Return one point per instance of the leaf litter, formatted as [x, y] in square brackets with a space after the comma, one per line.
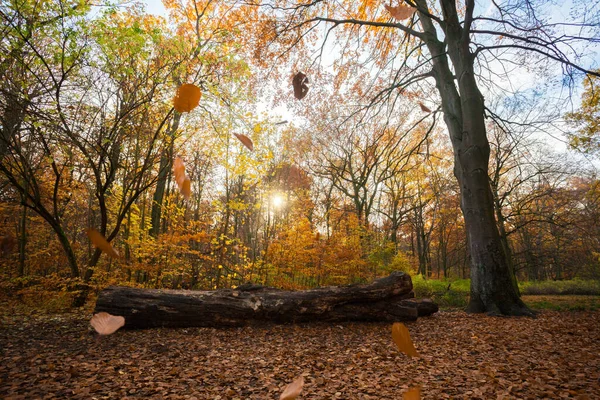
[461, 357]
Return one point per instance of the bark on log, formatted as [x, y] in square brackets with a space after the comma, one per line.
[387, 299]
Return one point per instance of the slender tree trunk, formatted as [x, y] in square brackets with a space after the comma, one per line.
[66, 245]
[23, 240]
[163, 173]
[504, 238]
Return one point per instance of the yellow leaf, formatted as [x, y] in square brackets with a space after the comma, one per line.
[100, 242]
[187, 97]
[413, 393]
[401, 337]
[293, 390]
[400, 12]
[105, 324]
[245, 141]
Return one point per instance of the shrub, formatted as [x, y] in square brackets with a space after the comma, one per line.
[447, 293]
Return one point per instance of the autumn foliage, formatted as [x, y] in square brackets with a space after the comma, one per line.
[191, 186]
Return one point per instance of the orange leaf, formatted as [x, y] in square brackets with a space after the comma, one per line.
[186, 188]
[187, 97]
[105, 324]
[401, 336]
[400, 12]
[245, 140]
[424, 108]
[100, 242]
[179, 171]
[293, 389]
[300, 84]
[413, 393]
[183, 181]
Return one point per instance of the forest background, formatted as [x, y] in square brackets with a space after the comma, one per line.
[333, 192]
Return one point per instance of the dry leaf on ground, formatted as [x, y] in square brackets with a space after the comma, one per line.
[552, 356]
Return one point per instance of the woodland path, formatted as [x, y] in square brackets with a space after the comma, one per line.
[462, 357]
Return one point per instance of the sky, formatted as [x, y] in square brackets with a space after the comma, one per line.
[155, 7]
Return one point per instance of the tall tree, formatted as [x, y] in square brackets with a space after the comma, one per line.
[451, 43]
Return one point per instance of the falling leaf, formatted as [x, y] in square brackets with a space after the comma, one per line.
[105, 324]
[293, 389]
[401, 336]
[187, 97]
[100, 242]
[424, 108]
[186, 188]
[400, 12]
[179, 171]
[300, 84]
[413, 393]
[318, 236]
[183, 181]
[245, 141]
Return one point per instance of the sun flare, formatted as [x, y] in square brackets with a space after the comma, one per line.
[277, 200]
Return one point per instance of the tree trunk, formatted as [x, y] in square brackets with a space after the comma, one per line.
[386, 299]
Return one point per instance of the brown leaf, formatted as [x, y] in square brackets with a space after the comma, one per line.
[293, 389]
[413, 393]
[105, 324]
[400, 12]
[187, 97]
[402, 339]
[72, 371]
[300, 84]
[424, 108]
[100, 242]
[245, 141]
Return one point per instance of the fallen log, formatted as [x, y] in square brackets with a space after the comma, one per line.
[388, 299]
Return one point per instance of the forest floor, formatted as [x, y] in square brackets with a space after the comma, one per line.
[462, 356]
